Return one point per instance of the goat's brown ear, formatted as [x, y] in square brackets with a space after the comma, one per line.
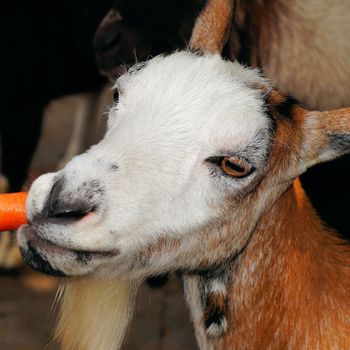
[325, 136]
[212, 26]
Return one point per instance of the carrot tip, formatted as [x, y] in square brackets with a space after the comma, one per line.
[12, 210]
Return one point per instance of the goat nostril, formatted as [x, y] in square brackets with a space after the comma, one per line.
[73, 210]
[59, 207]
[69, 214]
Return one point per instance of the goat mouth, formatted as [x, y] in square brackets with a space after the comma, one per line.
[32, 257]
[48, 247]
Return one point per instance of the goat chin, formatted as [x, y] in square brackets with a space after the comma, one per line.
[95, 314]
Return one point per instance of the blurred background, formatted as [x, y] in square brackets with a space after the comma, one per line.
[58, 59]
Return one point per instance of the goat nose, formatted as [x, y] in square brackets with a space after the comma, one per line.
[108, 41]
[61, 206]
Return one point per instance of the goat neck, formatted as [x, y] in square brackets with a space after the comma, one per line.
[287, 288]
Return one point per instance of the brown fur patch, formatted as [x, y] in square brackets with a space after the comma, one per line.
[290, 287]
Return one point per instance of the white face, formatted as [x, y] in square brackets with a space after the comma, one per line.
[150, 196]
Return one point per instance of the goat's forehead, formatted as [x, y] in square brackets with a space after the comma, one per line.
[193, 95]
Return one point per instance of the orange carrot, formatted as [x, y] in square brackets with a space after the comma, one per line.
[12, 210]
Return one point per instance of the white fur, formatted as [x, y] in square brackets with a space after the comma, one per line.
[215, 330]
[218, 287]
[165, 125]
[193, 300]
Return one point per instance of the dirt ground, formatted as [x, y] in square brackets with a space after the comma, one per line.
[27, 315]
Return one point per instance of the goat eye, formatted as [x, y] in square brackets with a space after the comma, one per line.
[116, 95]
[235, 167]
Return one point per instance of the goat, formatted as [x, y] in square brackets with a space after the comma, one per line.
[301, 45]
[198, 173]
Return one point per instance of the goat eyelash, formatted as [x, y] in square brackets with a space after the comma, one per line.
[216, 160]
